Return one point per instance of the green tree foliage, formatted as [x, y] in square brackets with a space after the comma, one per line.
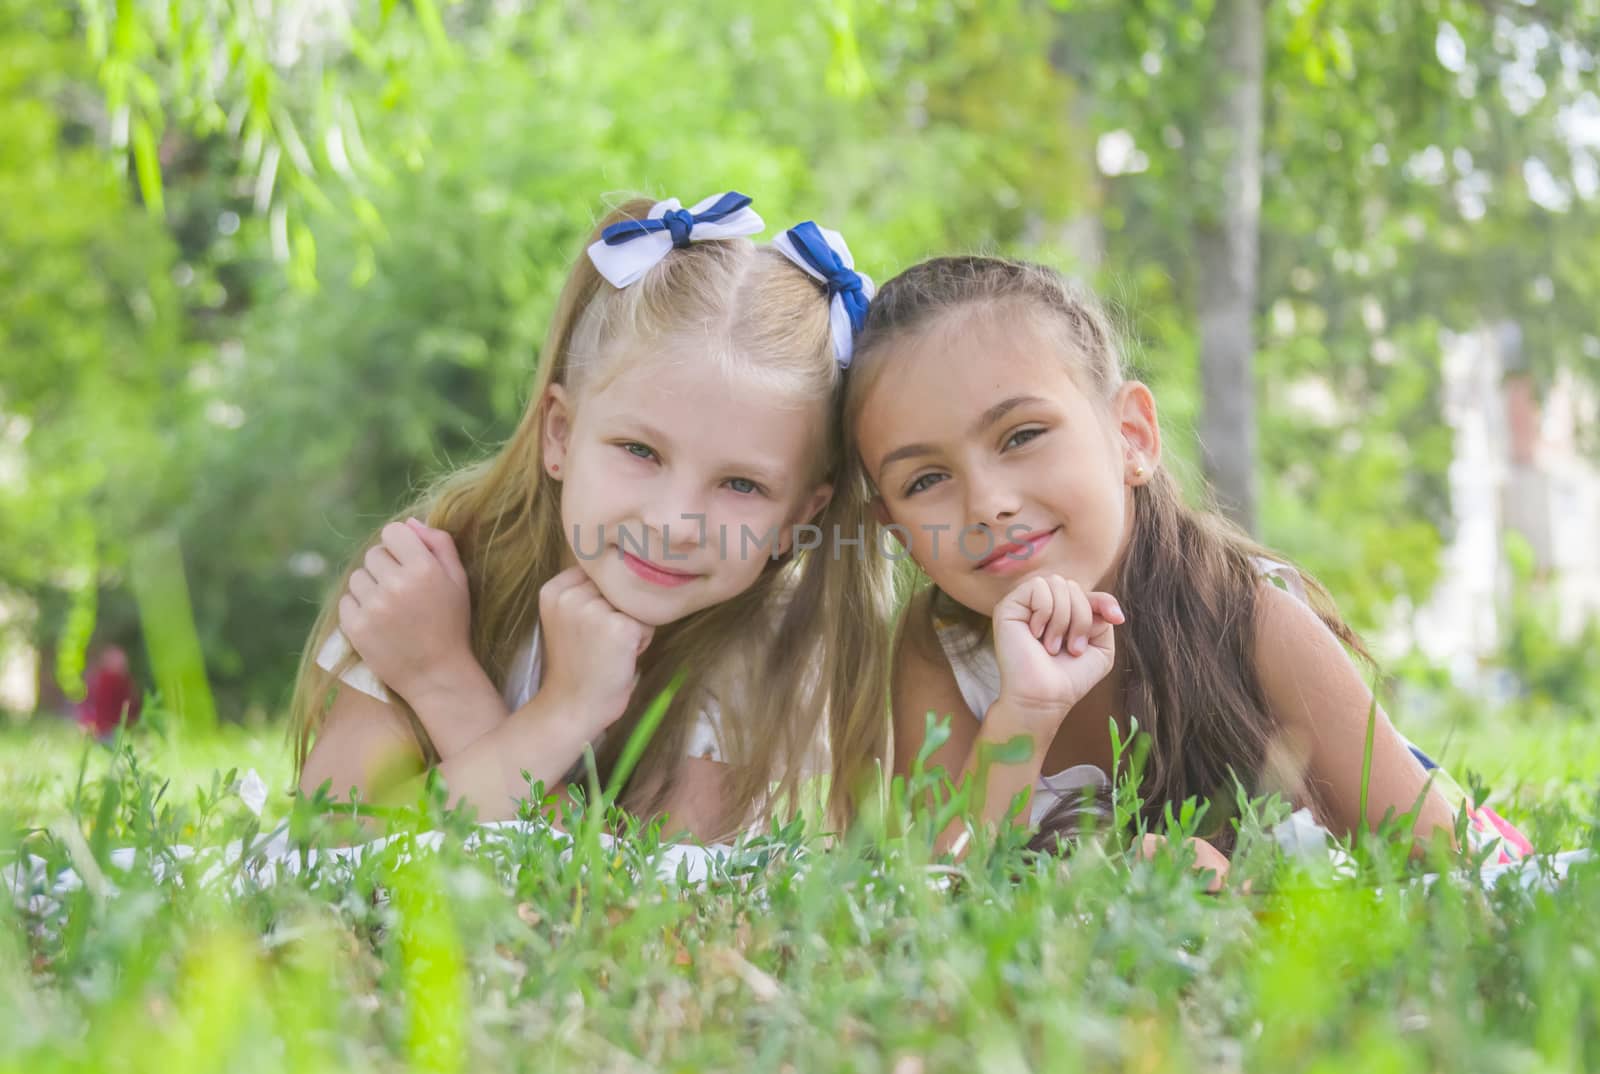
[414, 349]
[353, 232]
[94, 395]
[1401, 196]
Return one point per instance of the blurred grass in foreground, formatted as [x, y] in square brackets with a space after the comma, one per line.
[529, 954]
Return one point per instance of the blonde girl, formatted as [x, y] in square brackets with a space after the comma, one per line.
[654, 515]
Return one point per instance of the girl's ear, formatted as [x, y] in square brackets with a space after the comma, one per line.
[1134, 409]
[821, 496]
[810, 509]
[556, 430]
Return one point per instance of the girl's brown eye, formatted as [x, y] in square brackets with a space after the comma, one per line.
[1022, 436]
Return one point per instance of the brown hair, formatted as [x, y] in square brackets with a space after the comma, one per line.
[1187, 577]
[801, 653]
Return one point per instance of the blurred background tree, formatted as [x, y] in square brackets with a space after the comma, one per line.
[268, 267]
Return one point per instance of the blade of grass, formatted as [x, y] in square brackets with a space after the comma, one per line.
[643, 732]
[1366, 762]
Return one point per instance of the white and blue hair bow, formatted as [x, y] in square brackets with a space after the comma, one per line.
[823, 255]
[628, 249]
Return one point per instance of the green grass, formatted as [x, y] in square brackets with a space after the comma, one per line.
[39, 759]
[862, 956]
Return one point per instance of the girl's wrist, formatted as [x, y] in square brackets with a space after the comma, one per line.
[1008, 718]
[581, 707]
[442, 694]
[445, 675]
[998, 771]
[548, 734]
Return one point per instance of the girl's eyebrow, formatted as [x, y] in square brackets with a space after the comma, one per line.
[648, 431]
[986, 419]
[770, 476]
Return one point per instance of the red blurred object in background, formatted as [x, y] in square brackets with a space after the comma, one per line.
[112, 696]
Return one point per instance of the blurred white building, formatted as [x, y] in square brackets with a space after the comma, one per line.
[1520, 467]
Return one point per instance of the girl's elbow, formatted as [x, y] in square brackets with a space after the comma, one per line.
[362, 776]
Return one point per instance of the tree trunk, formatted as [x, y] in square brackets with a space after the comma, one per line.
[1081, 235]
[1226, 244]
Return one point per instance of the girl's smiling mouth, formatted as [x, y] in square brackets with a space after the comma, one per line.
[1016, 554]
[656, 574]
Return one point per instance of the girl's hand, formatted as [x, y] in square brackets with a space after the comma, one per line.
[1208, 860]
[590, 649]
[408, 611]
[1053, 642]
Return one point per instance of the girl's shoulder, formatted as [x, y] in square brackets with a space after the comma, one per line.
[1287, 624]
[963, 640]
[1281, 575]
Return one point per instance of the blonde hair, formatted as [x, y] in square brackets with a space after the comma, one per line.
[822, 665]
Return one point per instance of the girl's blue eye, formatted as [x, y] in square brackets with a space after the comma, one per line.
[923, 482]
[743, 485]
[1023, 435]
[638, 450]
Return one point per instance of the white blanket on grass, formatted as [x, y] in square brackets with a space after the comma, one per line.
[270, 856]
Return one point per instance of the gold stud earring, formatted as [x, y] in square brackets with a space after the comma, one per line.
[1138, 473]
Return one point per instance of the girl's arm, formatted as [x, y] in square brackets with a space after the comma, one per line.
[364, 745]
[544, 738]
[407, 613]
[457, 707]
[407, 617]
[698, 802]
[1321, 702]
[924, 682]
[591, 652]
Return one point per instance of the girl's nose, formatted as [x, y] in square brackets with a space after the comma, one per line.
[990, 502]
[677, 520]
[682, 535]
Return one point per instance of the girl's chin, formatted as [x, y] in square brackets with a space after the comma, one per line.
[637, 602]
[982, 603]
[983, 593]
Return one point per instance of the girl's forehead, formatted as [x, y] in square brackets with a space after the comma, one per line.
[699, 380]
[999, 335]
[707, 403]
[959, 364]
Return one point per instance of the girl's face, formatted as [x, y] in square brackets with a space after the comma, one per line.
[995, 465]
[677, 483]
